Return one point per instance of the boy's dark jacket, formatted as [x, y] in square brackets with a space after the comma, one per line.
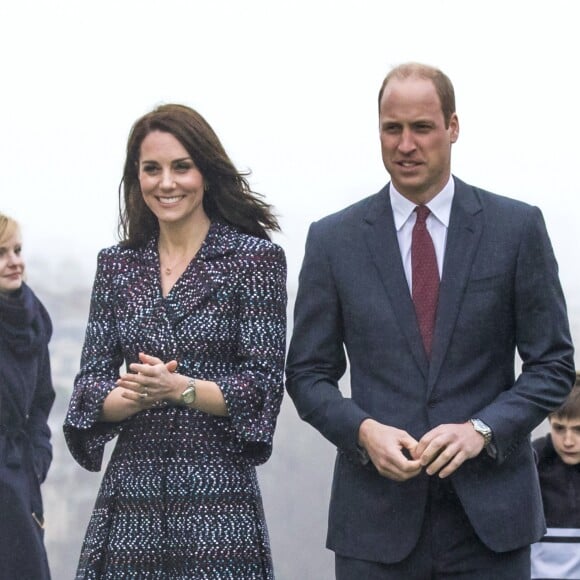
[560, 485]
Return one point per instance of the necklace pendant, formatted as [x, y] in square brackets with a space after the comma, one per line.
[167, 271]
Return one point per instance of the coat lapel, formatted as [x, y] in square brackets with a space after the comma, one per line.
[465, 228]
[207, 271]
[381, 238]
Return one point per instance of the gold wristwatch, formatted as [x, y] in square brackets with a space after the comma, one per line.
[189, 394]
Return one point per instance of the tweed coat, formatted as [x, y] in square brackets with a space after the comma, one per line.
[26, 398]
[180, 497]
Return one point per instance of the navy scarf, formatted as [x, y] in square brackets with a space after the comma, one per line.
[22, 324]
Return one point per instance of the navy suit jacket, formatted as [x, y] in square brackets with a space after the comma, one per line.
[499, 292]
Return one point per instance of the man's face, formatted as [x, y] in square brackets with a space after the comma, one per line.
[566, 439]
[416, 145]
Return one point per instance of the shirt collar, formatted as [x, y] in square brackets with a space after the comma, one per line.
[440, 205]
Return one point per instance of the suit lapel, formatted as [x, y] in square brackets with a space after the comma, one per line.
[465, 228]
[381, 238]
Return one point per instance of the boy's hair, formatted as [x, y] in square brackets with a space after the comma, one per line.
[571, 407]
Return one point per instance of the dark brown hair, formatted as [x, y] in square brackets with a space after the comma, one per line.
[571, 407]
[228, 197]
[440, 80]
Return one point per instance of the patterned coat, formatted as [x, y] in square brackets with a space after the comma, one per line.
[180, 497]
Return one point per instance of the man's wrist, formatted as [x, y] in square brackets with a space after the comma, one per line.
[483, 429]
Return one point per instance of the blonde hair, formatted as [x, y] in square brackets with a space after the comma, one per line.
[7, 226]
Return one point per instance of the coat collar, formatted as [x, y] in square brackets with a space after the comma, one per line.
[221, 240]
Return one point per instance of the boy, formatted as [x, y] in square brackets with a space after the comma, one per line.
[557, 555]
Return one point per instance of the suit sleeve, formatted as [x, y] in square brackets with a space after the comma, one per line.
[543, 341]
[316, 358]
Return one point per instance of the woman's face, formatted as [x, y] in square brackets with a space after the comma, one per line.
[171, 184]
[11, 262]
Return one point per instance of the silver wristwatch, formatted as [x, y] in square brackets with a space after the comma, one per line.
[483, 430]
[189, 394]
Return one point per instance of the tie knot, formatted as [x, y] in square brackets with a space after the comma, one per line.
[422, 212]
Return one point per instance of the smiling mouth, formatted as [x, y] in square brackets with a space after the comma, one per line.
[170, 200]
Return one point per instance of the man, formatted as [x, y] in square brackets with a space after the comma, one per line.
[429, 286]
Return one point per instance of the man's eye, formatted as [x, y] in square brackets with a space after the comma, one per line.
[391, 129]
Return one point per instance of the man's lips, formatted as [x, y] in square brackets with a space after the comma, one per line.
[406, 164]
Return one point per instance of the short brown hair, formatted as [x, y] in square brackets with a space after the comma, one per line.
[440, 80]
[571, 407]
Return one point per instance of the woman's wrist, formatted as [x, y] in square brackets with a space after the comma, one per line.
[180, 385]
[189, 394]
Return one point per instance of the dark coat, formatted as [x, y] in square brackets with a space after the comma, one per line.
[499, 291]
[180, 497]
[26, 397]
[560, 485]
[557, 554]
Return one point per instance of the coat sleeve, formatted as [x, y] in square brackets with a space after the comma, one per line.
[101, 360]
[543, 341]
[253, 393]
[316, 357]
[37, 425]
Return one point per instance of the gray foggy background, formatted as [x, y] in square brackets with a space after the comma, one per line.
[290, 88]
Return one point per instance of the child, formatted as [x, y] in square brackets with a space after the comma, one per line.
[557, 555]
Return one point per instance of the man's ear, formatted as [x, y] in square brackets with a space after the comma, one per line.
[454, 128]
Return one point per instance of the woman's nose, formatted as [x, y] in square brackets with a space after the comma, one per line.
[167, 180]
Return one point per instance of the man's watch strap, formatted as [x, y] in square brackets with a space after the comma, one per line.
[483, 429]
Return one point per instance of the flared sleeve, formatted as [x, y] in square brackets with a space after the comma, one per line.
[253, 393]
[101, 360]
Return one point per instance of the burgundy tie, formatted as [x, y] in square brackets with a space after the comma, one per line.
[425, 277]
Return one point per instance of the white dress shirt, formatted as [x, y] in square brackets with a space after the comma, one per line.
[437, 224]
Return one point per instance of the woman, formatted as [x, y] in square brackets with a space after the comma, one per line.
[26, 397]
[193, 300]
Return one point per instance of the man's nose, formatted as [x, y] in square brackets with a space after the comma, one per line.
[407, 141]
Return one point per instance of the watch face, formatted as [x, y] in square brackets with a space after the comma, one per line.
[188, 396]
[482, 428]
